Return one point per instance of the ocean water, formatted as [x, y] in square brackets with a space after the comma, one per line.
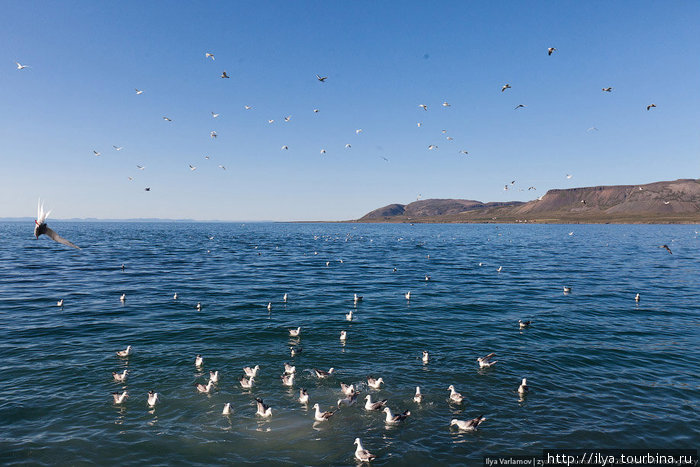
[603, 370]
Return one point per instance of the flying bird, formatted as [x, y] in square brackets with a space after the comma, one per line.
[20, 66]
[192, 167]
[445, 104]
[569, 175]
[592, 129]
[209, 55]
[167, 119]
[138, 91]
[665, 247]
[148, 188]
[462, 151]
[213, 134]
[117, 148]
[322, 78]
[214, 115]
[96, 153]
[550, 50]
[222, 167]
[285, 147]
[287, 118]
[42, 229]
[323, 151]
[224, 74]
[348, 146]
[650, 106]
[432, 146]
[315, 111]
[247, 107]
[358, 131]
[424, 107]
[519, 106]
[505, 86]
[607, 89]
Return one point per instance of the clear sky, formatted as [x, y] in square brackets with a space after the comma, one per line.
[382, 59]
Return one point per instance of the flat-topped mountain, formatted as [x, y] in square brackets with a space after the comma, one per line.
[659, 202]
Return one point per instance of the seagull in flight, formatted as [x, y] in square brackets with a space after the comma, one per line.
[348, 146]
[42, 229]
[569, 175]
[462, 151]
[322, 78]
[148, 188]
[446, 104]
[505, 86]
[209, 55]
[550, 50]
[213, 134]
[167, 119]
[592, 129]
[214, 115]
[222, 167]
[665, 247]
[247, 107]
[323, 151]
[424, 107]
[117, 148]
[607, 89]
[650, 106]
[358, 131]
[138, 91]
[224, 74]
[285, 147]
[140, 167]
[192, 167]
[96, 153]
[432, 146]
[519, 106]
[20, 66]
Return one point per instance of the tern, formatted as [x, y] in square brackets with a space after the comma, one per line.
[361, 454]
[445, 104]
[119, 398]
[192, 167]
[98, 154]
[124, 353]
[423, 106]
[468, 425]
[167, 119]
[519, 106]
[222, 167]
[40, 227]
[140, 167]
[432, 146]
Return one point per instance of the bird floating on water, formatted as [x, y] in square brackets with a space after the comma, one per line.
[121, 377]
[374, 383]
[347, 390]
[175, 296]
[418, 397]
[348, 317]
[636, 298]
[426, 356]
[288, 379]
[468, 425]
[407, 295]
[205, 389]
[246, 382]
[295, 332]
[500, 268]
[523, 388]
[59, 303]
[343, 335]
[362, 454]
[152, 398]
[357, 298]
[269, 306]
[567, 290]
[303, 396]
[122, 298]
[323, 374]
[289, 369]
[199, 306]
[198, 361]
[40, 227]
[119, 398]
[349, 400]
[322, 416]
[485, 362]
[524, 324]
[295, 351]
[227, 409]
[392, 419]
[263, 409]
[369, 405]
[284, 298]
[252, 372]
[214, 376]
[454, 395]
[124, 353]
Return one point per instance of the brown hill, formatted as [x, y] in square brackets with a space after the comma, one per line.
[659, 202]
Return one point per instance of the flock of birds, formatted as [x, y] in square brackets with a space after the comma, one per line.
[323, 79]
[348, 394]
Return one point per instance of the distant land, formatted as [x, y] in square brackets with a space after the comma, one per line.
[654, 203]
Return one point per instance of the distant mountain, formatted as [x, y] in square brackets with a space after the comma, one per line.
[660, 202]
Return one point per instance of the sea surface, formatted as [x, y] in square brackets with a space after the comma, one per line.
[604, 371]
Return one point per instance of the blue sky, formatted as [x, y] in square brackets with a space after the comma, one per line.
[382, 60]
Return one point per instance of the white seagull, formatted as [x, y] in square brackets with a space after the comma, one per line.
[361, 454]
[343, 335]
[523, 389]
[347, 390]
[288, 379]
[124, 353]
[374, 383]
[323, 374]
[285, 297]
[209, 55]
[407, 295]
[213, 134]
[468, 425]
[40, 227]
[426, 356]
[20, 66]
[505, 86]
[303, 396]
[369, 405]
[138, 91]
[263, 409]
[523, 324]
[121, 377]
[152, 398]
[214, 115]
[205, 389]
[198, 361]
[295, 332]
[120, 398]
[454, 395]
[322, 416]
[357, 298]
[122, 298]
[252, 372]
[423, 106]
[418, 397]
[348, 317]
[246, 382]
[485, 362]
[227, 409]
[392, 419]
[60, 302]
[214, 376]
[289, 369]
